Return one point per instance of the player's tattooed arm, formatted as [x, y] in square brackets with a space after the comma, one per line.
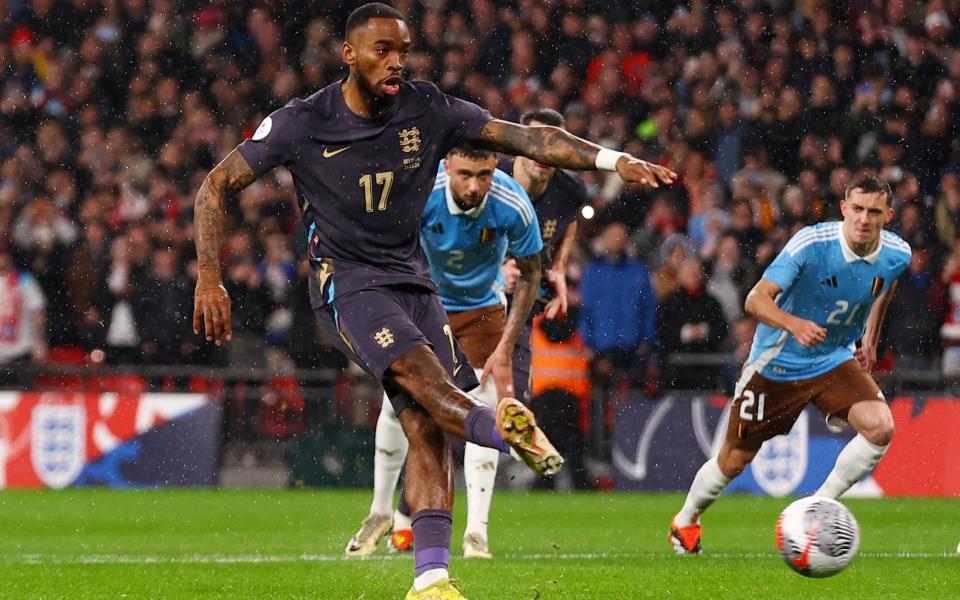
[500, 364]
[866, 354]
[227, 178]
[557, 147]
[761, 303]
[211, 304]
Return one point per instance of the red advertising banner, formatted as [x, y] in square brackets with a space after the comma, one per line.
[49, 439]
[924, 458]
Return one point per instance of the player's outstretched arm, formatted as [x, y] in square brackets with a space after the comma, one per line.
[866, 354]
[559, 148]
[761, 303]
[210, 300]
[500, 362]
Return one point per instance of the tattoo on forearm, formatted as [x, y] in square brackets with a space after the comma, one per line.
[549, 145]
[523, 297]
[230, 176]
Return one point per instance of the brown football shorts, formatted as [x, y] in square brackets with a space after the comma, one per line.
[764, 408]
[478, 331]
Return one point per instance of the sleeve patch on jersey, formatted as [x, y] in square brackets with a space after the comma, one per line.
[264, 129]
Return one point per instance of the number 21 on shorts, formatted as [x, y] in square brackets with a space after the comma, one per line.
[751, 405]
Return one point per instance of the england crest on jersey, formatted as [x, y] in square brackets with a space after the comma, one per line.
[58, 443]
[781, 463]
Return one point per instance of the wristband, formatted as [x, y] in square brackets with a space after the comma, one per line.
[607, 159]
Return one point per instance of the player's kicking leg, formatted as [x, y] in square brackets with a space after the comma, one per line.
[513, 425]
[429, 481]
[389, 454]
[378, 328]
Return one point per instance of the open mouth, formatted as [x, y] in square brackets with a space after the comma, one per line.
[391, 85]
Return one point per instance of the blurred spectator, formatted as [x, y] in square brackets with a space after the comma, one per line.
[705, 227]
[742, 339]
[730, 277]
[43, 234]
[743, 227]
[729, 140]
[675, 249]
[948, 209]
[278, 271]
[950, 330]
[618, 313]
[910, 226]
[164, 297]
[659, 224]
[114, 303]
[22, 337]
[251, 303]
[690, 321]
[914, 315]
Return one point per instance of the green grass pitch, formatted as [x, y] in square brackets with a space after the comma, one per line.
[96, 543]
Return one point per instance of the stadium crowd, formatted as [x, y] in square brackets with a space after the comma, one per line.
[112, 111]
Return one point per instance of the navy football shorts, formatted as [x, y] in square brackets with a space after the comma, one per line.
[376, 326]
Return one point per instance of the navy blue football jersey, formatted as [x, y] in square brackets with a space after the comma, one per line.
[556, 208]
[363, 183]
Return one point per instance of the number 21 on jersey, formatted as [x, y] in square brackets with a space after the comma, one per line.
[751, 405]
[836, 317]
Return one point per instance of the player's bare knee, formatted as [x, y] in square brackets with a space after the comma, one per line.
[873, 421]
[732, 461]
[879, 433]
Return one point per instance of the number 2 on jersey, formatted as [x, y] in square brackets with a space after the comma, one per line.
[455, 260]
[384, 178]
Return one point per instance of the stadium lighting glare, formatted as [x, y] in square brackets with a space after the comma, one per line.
[587, 212]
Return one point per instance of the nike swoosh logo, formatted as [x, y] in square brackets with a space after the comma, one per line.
[328, 154]
[456, 369]
[804, 561]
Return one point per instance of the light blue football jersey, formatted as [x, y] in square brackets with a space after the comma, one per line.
[824, 281]
[466, 248]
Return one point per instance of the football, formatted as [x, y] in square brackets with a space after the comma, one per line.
[817, 537]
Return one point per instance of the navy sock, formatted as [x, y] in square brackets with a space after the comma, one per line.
[480, 428]
[431, 539]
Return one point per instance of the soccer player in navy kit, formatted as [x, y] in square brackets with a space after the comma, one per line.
[474, 216]
[829, 287]
[557, 196]
[363, 153]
